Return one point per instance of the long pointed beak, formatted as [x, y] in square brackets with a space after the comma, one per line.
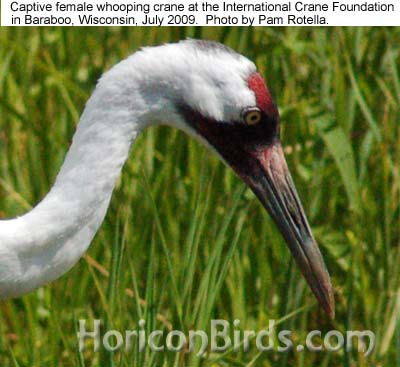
[258, 159]
[273, 185]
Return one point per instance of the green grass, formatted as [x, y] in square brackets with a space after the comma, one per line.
[183, 241]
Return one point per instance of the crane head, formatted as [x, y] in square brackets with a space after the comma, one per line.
[217, 95]
[240, 121]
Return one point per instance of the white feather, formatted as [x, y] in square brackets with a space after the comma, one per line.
[140, 91]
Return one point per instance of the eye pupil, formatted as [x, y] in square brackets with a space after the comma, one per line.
[252, 116]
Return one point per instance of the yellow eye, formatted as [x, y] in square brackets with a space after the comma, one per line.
[252, 116]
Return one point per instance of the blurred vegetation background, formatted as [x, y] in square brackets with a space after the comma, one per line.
[183, 241]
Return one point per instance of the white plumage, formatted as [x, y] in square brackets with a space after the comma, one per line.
[138, 92]
[203, 88]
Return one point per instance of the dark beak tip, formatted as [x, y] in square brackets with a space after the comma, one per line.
[327, 300]
[329, 306]
[331, 311]
[317, 276]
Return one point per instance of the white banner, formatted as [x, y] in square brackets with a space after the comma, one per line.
[200, 13]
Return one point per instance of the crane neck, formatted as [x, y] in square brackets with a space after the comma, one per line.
[46, 242]
[145, 89]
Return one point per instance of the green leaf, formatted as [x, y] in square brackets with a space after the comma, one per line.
[340, 148]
